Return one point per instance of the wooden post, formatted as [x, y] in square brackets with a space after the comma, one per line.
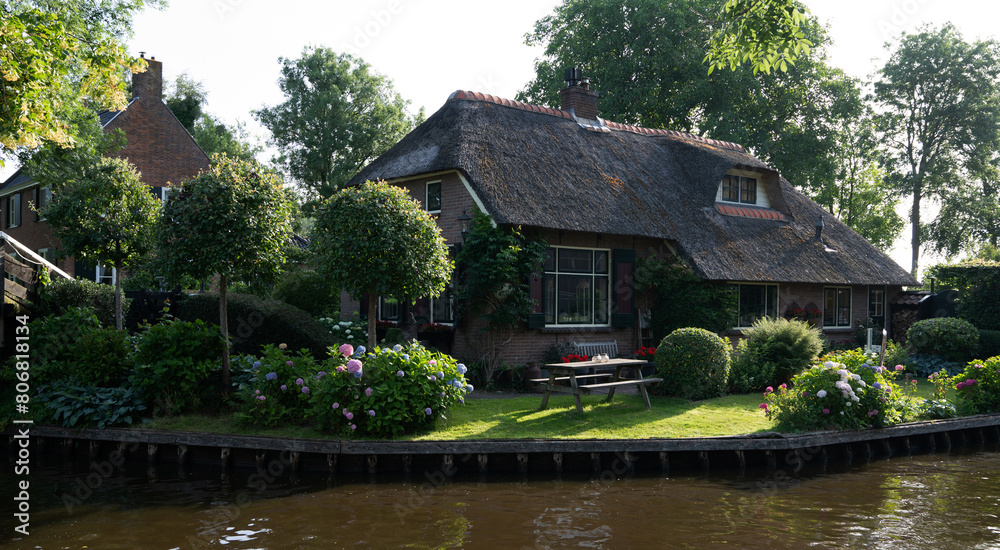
[595, 462]
[224, 455]
[703, 456]
[407, 464]
[151, 450]
[522, 463]
[294, 457]
[483, 460]
[665, 462]
[182, 455]
[331, 462]
[372, 462]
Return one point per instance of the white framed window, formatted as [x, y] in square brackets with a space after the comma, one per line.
[755, 301]
[167, 191]
[739, 189]
[432, 196]
[576, 286]
[388, 309]
[837, 306]
[876, 302]
[104, 274]
[13, 210]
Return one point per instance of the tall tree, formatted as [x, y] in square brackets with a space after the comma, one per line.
[645, 57]
[374, 240]
[186, 99]
[765, 34]
[234, 221]
[107, 215]
[58, 55]
[937, 96]
[338, 115]
[215, 137]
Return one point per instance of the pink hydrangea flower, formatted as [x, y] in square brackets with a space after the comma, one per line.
[899, 367]
[346, 350]
[353, 366]
[826, 411]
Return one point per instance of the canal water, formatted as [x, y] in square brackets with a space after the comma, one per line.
[935, 501]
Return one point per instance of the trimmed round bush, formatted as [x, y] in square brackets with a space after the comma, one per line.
[950, 337]
[254, 323]
[790, 345]
[61, 294]
[694, 364]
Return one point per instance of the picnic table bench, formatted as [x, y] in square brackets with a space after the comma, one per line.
[567, 372]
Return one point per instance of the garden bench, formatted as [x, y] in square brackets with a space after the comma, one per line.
[597, 348]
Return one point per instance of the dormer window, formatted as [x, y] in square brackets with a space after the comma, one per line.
[741, 189]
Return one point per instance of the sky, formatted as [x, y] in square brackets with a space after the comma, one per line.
[430, 48]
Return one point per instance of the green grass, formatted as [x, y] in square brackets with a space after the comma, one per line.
[519, 418]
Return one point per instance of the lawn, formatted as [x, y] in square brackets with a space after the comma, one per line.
[519, 418]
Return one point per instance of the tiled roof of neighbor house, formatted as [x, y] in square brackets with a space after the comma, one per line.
[538, 166]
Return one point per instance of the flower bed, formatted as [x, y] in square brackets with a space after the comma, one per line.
[380, 394]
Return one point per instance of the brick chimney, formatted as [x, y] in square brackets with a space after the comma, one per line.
[577, 95]
[148, 84]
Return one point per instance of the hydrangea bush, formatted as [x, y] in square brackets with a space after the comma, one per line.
[830, 395]
[354, 333]
[388, 392]
[279, 385]
[978, 386]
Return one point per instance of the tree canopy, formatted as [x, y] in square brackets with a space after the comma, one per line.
[59, 55]
[939, 121]
[646, 59]
[374, 240]
[107, 215]
[338, 115]
[234, 221]
[765, 34]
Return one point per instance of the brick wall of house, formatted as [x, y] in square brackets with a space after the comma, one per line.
[36, 235]
[158, 145]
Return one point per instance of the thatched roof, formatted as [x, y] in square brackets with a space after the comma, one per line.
[536, 166]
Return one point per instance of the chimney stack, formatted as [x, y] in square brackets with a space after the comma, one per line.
[577, 97]
[149, 84]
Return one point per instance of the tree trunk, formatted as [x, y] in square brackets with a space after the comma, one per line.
[915, 221]
[372, 312]
[224, 325]
[118, 297]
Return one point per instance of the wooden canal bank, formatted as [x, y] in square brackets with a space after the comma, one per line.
[770, 450]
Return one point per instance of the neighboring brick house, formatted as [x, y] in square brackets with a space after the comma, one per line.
[157, 144]
[603, 194]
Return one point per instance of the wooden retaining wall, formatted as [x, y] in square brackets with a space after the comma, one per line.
[772, 451]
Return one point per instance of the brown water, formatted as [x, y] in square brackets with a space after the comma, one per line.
[931, 501]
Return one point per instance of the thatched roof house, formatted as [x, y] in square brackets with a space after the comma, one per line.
[588, 183]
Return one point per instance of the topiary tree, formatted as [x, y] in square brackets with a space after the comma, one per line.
[233, 220]
[789, 345]
[694, 364]
[107, 215]
[374, 240]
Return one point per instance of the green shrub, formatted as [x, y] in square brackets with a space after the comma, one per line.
[978, 282]
[254, 323]
[279, 386]
[750, 371]
[922, 366]
[393, 392]
[791, 345]
[75, 405]
[989, 344]
[173, 364]
[308, 291]
[101, 357]
[978, 386]
[954, 339]
[830, 395]
[694, 364]
[61, 294]
[53, 339]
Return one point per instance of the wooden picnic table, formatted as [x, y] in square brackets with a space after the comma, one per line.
[567, 373]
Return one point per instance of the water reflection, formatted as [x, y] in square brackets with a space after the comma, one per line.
[931, 501]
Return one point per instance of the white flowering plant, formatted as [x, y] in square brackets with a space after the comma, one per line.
[354, 333]
[829, 395]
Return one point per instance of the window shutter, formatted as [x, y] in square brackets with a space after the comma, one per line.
[623, 312]
[536, 319]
